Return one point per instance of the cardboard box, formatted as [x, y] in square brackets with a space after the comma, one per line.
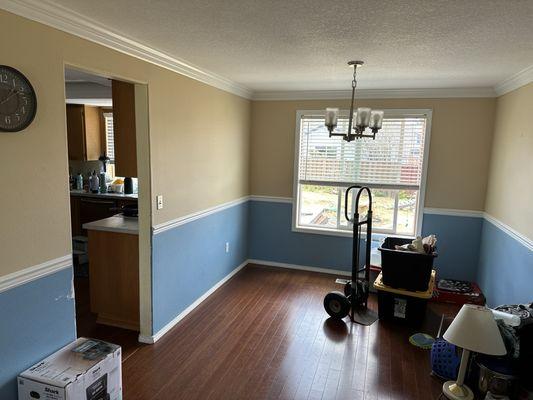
[86, 369]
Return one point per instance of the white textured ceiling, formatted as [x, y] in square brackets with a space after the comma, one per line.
[77, 76]
[304, 45]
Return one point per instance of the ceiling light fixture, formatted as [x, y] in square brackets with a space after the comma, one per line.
[364, 117]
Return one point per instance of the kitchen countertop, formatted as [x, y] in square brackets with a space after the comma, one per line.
[117, 223]
[82, 193]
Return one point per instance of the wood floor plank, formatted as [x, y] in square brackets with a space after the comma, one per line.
[265, 335]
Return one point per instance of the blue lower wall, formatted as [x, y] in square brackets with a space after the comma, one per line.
[37, 318]
[458, 241]
[505, 267]
[272, 239]
[190, 259]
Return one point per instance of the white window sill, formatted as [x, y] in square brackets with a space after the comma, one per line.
[377, 236]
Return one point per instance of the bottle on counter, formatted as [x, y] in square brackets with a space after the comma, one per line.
[103, 184]
[94, 183]
[128, 185]
[79, 181]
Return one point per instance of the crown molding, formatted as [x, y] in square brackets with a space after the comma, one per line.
[76, 24]
[374, 94]
[69, 21]
[516, 81]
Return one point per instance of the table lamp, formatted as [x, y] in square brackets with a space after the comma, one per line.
[473, 329]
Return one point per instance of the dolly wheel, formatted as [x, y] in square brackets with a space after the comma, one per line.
[337, 305]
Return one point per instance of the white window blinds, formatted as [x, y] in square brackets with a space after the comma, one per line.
[393, 159]
[109, 136]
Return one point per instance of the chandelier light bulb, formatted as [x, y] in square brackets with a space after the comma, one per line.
[376, 120]
[363, 117]
[332, 115]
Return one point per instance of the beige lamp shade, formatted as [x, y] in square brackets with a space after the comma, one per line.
[475, 329]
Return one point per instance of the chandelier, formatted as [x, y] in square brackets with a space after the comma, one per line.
[364, 117]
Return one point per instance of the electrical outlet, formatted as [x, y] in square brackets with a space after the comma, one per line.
[159, 200]
[227, 247]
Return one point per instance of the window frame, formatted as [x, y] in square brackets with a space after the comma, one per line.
[388, 113]
[105, 115]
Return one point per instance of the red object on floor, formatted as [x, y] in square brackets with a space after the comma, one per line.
[474, 297]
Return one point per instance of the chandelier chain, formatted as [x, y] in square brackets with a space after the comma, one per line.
[354, 80]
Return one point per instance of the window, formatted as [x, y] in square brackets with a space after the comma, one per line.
[109, 136]
[393, 166]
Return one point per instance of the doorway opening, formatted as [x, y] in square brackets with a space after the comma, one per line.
[102, 115]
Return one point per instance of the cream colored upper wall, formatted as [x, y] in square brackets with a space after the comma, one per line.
[510, 188]
[199, 139]
[458, 159]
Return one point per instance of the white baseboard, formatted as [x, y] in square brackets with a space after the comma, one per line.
[34, 272]
[301, 267]
[154, 338]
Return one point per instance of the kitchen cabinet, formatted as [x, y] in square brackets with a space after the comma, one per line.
[93, 209]
[75, 220]
[114, 277]
[84, 132]
[84, 209]
[124, 128]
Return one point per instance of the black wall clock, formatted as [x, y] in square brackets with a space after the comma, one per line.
[18, 102]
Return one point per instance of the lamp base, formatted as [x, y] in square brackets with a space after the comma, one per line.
[455, 392]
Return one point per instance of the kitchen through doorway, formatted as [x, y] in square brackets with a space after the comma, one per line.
[101, 115]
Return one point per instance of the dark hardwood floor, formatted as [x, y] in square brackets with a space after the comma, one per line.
[265, 335]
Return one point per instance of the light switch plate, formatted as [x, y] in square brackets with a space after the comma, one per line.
[159, 200]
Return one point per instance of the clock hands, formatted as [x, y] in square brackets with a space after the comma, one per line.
[12, 92]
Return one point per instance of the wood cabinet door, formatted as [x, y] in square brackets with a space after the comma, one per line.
[75, 132]
[94, 147]
[124, 128]
[93, 209]
[114, 278]
[84, 132]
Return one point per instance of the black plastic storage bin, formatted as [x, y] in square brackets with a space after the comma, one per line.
[405, 269]
[397, 307]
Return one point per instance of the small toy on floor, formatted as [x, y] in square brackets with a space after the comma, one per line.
[422, 340]
[452, 285]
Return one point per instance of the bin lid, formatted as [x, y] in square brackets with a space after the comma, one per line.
[378, 284]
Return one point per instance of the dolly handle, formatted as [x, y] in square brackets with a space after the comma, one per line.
[361, 189]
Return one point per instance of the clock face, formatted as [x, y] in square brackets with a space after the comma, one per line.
[18, 103]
